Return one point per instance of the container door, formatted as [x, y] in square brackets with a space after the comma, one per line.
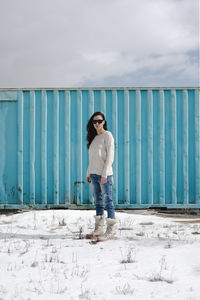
[8, 152]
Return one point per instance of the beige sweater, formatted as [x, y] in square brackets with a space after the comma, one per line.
[101, 155]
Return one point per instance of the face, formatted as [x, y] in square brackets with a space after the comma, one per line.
[98, 126]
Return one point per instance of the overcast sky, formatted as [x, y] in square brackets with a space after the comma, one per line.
[99, 43]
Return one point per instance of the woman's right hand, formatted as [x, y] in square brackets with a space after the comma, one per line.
[88, 179]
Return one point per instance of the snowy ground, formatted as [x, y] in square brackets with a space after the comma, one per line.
[43, 256]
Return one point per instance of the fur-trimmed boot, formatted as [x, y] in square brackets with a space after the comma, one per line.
[110, 231]
[99, 228]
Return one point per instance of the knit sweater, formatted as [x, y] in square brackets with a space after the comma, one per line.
[101, 155]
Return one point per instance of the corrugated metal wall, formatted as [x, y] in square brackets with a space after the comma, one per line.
[43, 154]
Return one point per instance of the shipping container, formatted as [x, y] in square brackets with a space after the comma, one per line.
[44, 158]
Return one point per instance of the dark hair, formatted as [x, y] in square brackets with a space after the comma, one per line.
[91, 131]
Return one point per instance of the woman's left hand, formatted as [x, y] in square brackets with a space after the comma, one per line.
[103, 180]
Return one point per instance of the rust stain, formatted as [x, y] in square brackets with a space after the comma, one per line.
[12, 191]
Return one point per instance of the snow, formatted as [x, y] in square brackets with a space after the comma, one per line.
[43, 255]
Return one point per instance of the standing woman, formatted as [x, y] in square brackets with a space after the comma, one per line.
[100, 174]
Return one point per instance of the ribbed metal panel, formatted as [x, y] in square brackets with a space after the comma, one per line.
[43, 154]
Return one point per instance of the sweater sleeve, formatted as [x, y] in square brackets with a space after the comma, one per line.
[110, 155]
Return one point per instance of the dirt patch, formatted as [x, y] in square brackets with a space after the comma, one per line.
[146, 223]
[178, 213]
[9, 212]
[188, 221]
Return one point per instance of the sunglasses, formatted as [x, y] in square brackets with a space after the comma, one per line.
[97, 121]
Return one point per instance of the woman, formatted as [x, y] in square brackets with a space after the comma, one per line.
[100, 174]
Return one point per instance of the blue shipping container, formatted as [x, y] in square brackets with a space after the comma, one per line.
[43, 153]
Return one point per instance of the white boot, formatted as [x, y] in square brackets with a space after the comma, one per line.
[99, 227]
[110, 231]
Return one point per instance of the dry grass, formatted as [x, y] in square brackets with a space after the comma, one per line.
[156, 279]
[125, 289]
[129, 257]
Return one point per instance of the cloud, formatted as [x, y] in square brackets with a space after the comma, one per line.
[71, 43]
[167, 71]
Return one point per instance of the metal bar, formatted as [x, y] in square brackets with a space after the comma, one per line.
[56, 146]
[103, 102]
[91, 103]
[115, 134]
[150, 146]
[3, 100]
[174, 147]
[44, 147]
[197, 145]
[90, 113]
[20, 146]
[100, 88]
[190, 206]
[67, 127]
[185, 149]
[79, 148]
[162, 147]
[138, 146]
[32, 147]
[126, 147]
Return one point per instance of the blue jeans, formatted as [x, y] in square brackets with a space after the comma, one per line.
[102, 194]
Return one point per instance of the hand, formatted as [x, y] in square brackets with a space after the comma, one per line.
[103, 180]
[88, 179]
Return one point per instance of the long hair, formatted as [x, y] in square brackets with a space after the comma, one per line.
[91, 131]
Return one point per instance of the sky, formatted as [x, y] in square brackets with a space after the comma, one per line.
[99, 43]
